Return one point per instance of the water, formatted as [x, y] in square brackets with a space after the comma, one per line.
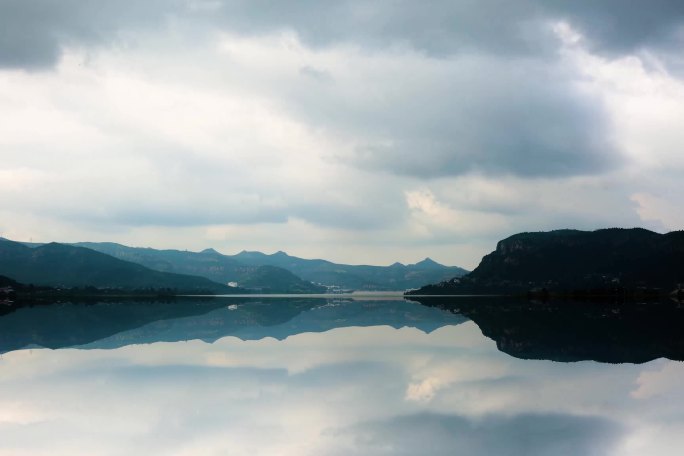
[339, 377]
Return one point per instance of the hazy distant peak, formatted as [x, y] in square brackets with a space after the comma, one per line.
[428, 262]
[210, 250]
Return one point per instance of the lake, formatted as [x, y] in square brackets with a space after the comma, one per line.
[341, 376]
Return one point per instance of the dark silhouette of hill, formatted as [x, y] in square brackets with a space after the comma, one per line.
[59, 265]
[7, 282]
[238, 268]
[575, 331]
[566, 260]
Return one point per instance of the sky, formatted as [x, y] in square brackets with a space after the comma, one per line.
[360, 132]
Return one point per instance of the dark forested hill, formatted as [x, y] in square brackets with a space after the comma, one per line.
[59, 265]
[577, 260]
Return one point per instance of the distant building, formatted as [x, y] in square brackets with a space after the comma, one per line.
[6, 290]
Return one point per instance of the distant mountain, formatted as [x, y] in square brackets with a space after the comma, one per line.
[59, 265]
[238, 268]
[566, 260]
[357, 277]
[272, 279]
[210, 264]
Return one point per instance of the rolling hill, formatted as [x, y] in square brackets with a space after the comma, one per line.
[60, 265]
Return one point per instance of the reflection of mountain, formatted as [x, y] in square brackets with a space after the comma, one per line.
[115, 324]
[573, 331]
[66, 324]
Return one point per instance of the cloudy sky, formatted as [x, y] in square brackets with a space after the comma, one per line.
[363, 132]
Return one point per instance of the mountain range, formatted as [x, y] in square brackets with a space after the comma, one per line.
[116, 266]
[571, 260]
[66, 266]
[238, 268]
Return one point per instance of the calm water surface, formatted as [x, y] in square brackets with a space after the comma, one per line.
[340, 377]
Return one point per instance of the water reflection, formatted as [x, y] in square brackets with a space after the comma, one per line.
[623, 332]
[557, 331]
[311, 378]
[117, 323]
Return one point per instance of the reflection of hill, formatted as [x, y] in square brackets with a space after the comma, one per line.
[572, 331]
[115, 324]
[67, 324]
[274, 318]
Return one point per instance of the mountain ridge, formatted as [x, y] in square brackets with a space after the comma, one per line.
[236, 268]
[61, 265]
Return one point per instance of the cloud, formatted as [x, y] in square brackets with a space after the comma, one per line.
[370, 132]
[35, 33]
[617, 27]
[477, 114]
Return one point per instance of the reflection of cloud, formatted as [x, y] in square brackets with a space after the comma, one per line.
[655, 383]
[436, 376]
[338, 392]
[524, 435]
[423, 391]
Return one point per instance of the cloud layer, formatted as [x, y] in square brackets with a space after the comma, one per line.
[367, 133]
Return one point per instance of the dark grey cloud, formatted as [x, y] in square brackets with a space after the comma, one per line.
[437, 28]
[618, 26]
[32, 33]
[539, 128]
[525, 117]
[444, 27]
[524, 435]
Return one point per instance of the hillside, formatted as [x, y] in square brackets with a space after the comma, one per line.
[567, 260]
[210, 264]
[238, 268]
[272, 279]
[59, 265]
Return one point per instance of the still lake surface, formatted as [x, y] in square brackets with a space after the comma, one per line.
[342, 376]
